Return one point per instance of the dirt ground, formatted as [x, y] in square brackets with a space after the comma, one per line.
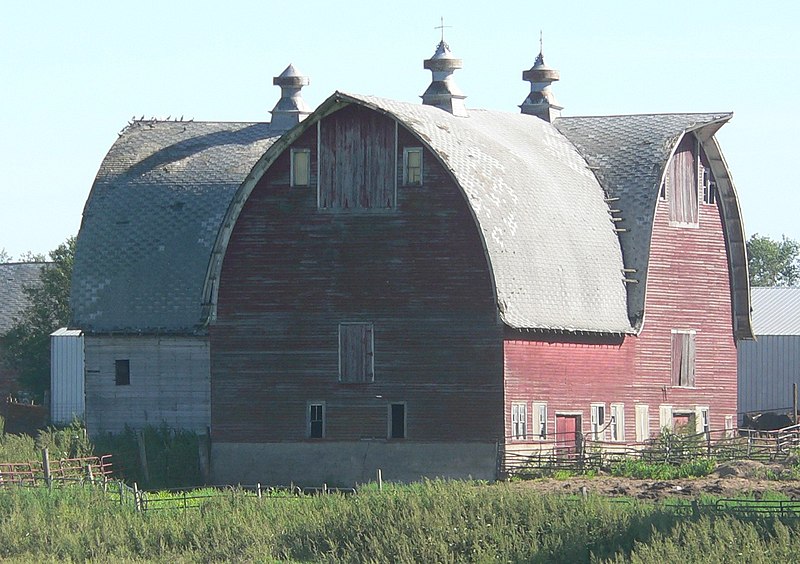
[732, 479]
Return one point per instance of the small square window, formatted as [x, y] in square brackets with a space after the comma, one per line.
[301, 167]
[397, 421]
[122, 372]
[316, 420]
[412, 166]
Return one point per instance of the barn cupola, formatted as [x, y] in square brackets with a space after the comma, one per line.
[443, 91]
[291, 109]
[541, 102]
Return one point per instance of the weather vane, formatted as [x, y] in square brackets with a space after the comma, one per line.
[442, 26]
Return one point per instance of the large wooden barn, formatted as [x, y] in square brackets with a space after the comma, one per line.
[411, 287]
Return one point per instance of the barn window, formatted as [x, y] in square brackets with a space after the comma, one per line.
[642, 423]
[412, 166]
[709, 186]
[665, 417]
[681, 184]
[729, 433]
[598, 421]
[122, 372]
[540, 421]
[356, 353]
[617, 422]
[519, 421]
[701, 418]
[397, 420]
[316, 420]
[683, 358]
[301, 167]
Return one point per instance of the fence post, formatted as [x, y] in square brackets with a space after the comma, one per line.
[89, 473]
[258, 489]
[143, 455]
[137, 498]
[794, 402]
[121, 492]
[46, 467]
[380, 480]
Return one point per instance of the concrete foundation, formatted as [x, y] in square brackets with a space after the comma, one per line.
[345, 464]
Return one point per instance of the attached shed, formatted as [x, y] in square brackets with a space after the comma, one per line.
[769, 367]
[67, 400]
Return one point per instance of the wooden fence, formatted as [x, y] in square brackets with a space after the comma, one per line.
[532, 457]
[61, 470]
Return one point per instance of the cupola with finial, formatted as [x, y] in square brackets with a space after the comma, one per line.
[291, 109]
[541, 102]
[443, 91]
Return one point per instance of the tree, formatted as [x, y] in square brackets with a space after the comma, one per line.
[4, 256]
[773, 263]
[27, 342]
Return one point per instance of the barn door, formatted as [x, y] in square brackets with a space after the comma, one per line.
[568, 434]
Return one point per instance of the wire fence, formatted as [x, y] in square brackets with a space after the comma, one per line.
[56, 471]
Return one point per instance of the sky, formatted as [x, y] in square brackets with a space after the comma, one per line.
[73, 73]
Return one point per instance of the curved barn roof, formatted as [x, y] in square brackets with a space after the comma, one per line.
[151, 219]
[629, 155]
[15, 277]
[546, 228]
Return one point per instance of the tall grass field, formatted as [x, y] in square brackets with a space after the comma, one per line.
[427, 522]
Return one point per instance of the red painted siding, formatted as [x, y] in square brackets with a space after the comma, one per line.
[687, 288]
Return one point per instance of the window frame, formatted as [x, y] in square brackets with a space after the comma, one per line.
[678, 214]
[596, 426]
[617, 422]
[293, 168]
[519, 420]
[390, 420]
[369, 354]
[310, 420]
[642, 416]
[122, 378]
[688, 348]
[539, 420]
[406, 180]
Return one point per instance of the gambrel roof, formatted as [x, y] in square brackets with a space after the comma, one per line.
[157, 222]
[151, 219]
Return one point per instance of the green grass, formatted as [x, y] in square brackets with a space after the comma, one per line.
[631, 468]
[425, 522]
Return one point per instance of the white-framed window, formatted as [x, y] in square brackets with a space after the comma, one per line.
[683, 352]
[617, 422]
[729, 432]
[412, 166]
[356, 353]
[642, 422]
[519, 420]
[598, 421]
[300, 169]
[539, 420]
[665, 420]
[702, 420]
[316, 420]
[397, 420]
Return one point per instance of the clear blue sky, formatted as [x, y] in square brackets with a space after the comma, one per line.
[73, 73]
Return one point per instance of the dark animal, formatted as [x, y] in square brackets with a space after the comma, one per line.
[769, 421]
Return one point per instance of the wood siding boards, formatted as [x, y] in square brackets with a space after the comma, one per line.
[292, 274]
[688, 288]
[169, 383]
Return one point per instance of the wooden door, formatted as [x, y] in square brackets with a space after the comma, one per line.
[568, 433]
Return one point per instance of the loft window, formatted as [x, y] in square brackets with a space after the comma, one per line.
[683, 358]
[316, 420]
[540, 421]
[709, 186]
[412, 166]
[356, 353]
[519, 421]
[598, 421]
[301, 167]
[681, 184]
[122, 372]
[397, 421]
[617, 422]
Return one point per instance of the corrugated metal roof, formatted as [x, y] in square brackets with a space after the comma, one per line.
[151, 220]
[776, 311]
[555, 256]
[14, 278]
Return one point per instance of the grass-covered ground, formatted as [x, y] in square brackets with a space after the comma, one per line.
[427, 522]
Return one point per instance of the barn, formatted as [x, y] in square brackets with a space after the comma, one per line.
[769, 367]
[412, 287]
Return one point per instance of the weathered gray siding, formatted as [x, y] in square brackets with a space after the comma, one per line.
[767, 369]
[169, 383]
